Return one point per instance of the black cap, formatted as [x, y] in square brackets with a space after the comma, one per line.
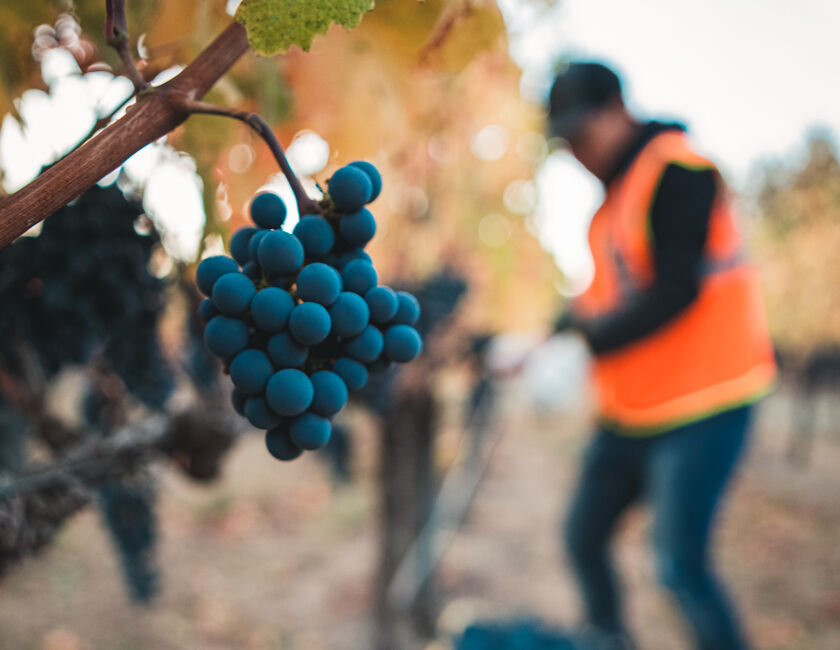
[578, 89]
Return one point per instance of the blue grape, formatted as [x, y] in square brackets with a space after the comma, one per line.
[252, 270]
[280, 253]
[329, 393]
[285, 352]
[358, 228]
[260, 414]
[408, 309]
[373, 174]
[254, 243]
[353, 373]
[268, 210]
[232, 293]
[270, 309]
[349, 188]
[250, 370]
[353, 254]
[238, 399]
[310, 432]
[366, 346]
[402, 343]
[359, 277]
[206, 310]
[309, 323]
[211, 269]
[239, 244]
[349, 314]
[383, 303]
[225, 336]
[316, 235]
[289, 392]
[319, 283]
[279, 443]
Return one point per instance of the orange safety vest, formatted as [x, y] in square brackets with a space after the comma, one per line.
[714, 355]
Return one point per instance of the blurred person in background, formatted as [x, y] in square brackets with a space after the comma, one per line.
[675, 322]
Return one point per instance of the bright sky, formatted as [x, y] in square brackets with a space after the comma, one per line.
[749, 78]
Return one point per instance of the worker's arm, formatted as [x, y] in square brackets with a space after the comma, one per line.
[679, 222]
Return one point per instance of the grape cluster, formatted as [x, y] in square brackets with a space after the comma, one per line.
[299, 318]
[83, 286]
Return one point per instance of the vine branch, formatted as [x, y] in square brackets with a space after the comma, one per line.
[116, 34]
[305, 204]
[153, 116]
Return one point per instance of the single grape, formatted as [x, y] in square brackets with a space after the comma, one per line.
[359, 277]
[373, 174]
[383, 303]
[349, 188]
[402, 343]
[206, 310]
[238, 399]
[270, 309]
[329, 393]
[250, 371]
[225, 336]
[353, 373]
[366, 346]
[349, 314]
[280, 253]
[254, 243]
[279, 443]
[232, 293]
[408, 309]
[310, 432]
[268, 210]
[289, 392]
[239, 244]
[260, 414]
[353, 254]
[211, 269]
[285, 352]
[316, 235]
[358, 228]
[252, 270]
[319, 283]
[309, 323]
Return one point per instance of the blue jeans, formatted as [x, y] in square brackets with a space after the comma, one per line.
[682, 474]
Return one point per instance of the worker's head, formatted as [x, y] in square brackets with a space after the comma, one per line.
[586, 109]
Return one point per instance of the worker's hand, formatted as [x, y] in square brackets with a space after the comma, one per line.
[565, 322]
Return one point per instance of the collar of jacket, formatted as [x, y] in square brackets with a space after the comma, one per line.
[645, 134]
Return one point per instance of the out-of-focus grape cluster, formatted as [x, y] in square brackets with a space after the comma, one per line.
[300, 318]
[83, 286]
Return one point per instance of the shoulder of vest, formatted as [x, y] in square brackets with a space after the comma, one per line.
[674, 148]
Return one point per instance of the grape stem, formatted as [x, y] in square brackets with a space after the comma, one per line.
[305, 204]
[116, 34]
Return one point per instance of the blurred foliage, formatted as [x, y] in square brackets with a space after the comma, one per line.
[275, 25]
[797, 239]
[409, 89]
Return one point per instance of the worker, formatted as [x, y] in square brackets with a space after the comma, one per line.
[675, 322]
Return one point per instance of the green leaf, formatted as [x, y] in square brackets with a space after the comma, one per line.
[275, 25]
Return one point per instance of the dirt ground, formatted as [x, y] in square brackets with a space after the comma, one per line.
[273, 557]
